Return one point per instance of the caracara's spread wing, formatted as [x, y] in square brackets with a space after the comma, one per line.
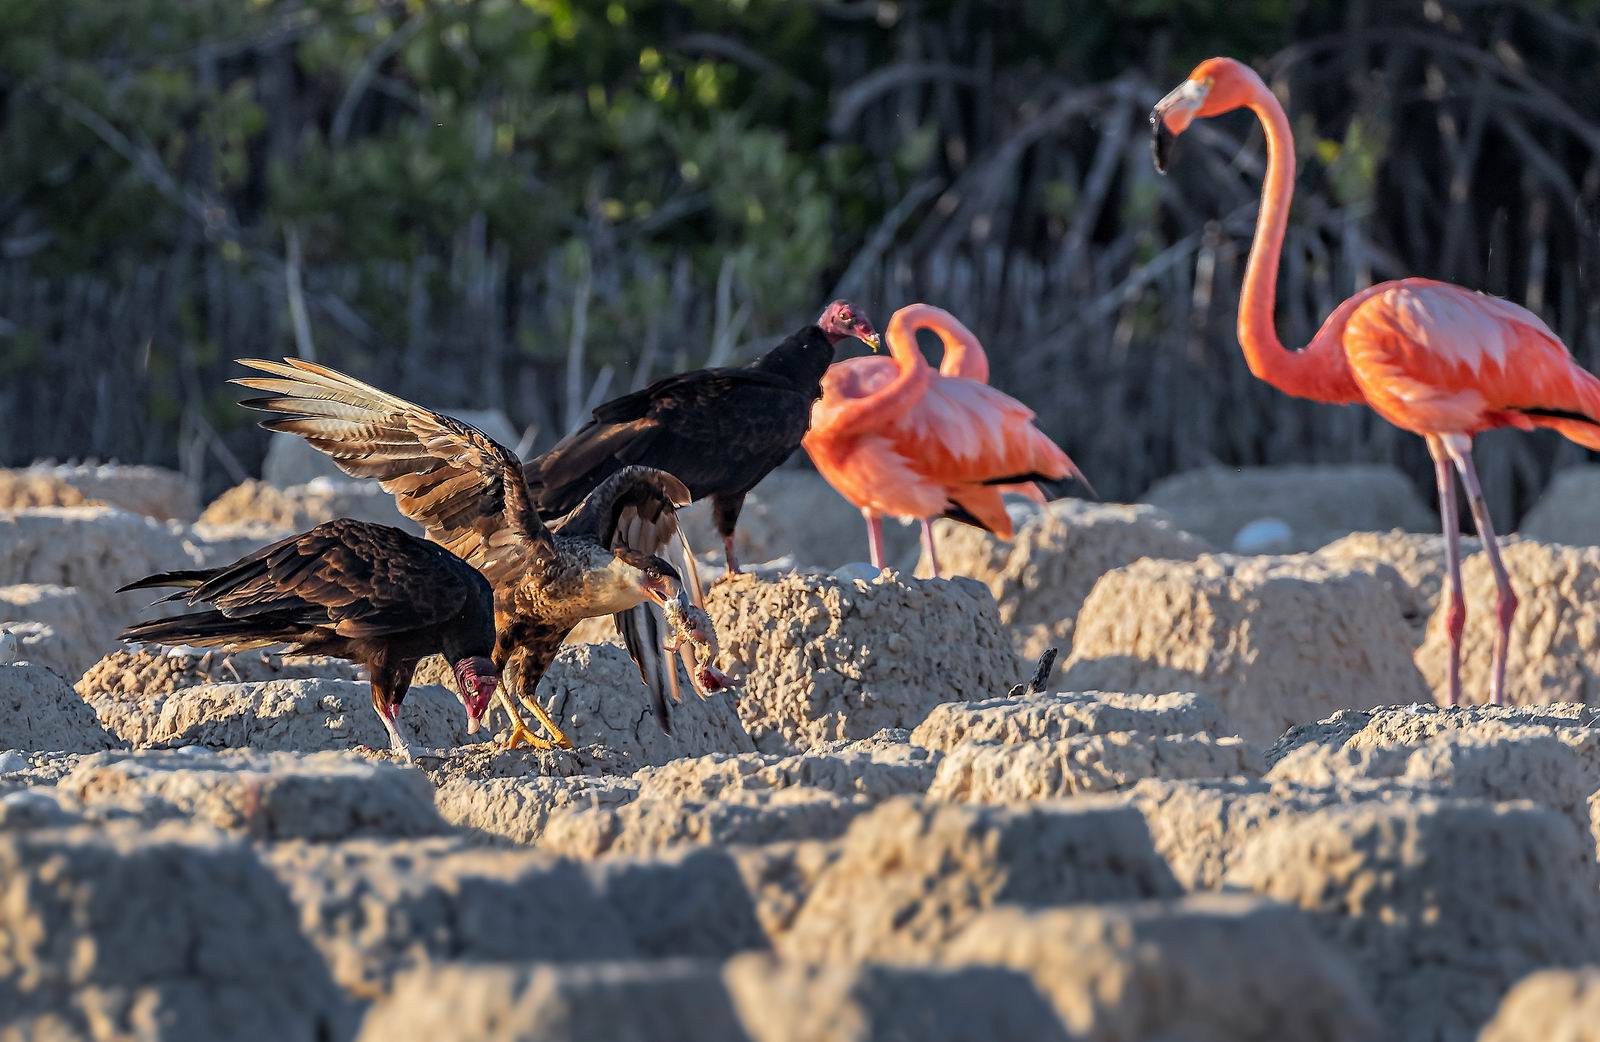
[359, 579]
[463, 487]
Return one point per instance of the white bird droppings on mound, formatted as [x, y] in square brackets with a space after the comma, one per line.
[1555, 637]
[1040, 578]
[1204, 967]
[1275, 640]
[818, 659]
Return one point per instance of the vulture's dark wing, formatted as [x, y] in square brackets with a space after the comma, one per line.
[358, 578]
[463, 487]
[688, 425]
[637, 508]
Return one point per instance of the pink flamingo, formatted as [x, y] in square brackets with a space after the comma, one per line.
[895, 437]
[1432, 358]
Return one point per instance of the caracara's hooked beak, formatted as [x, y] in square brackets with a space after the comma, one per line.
[1172, 116]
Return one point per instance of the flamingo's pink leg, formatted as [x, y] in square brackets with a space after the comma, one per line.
[1460, 447]
[874, 537]
[928, 547]
[1449, 513]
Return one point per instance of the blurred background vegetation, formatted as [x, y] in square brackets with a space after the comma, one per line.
[531, 205]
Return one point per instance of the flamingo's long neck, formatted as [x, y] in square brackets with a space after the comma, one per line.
[963, 355]
[1319, 371]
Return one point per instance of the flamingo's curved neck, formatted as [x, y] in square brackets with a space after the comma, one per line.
[1318, 371]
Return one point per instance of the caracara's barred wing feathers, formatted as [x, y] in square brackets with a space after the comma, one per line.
[463, 487]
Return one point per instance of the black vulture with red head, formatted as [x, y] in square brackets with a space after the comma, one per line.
[719, 431]
[368, 593]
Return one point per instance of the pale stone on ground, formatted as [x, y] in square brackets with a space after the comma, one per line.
[819, 659]
[594, 693]
[1203, 969]
[1319, 503]
[281, 716]
[1443, 904]
[267, 796]
[785, 1001]
[378, 907]
[1555, 636]
[517, 809]
[1033, 717]
[38, 711]
[1569, 510]
[157, 492]
[168, 934]
[1040, 578]
[1275, 640]
[658, 1001]
[909, 876]
[299, 507]
[79, 631]
[1053, 768]
[1549, 1006]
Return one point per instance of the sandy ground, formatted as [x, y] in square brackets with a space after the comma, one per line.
[1233, 814]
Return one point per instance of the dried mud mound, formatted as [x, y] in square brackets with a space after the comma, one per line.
[77, 631]
[1419, 892]
[299, 507]
[594, 693]
[1040, 578]
[1319, 503]
[1033, 717]
[216, 545]
[26, 489]
[1274, 640]
[1555, 636]
[312, 715]
[38, 711]
[376, 908]
[1411, 564]
[518, 809]
[95, 549]
[156, 492]
[870, 770]
[268, 796]
[172, 933]
[1549, 1006]
[908, 876]
[1569, 510]
[1204, 968]
[130, 676]
[820, 659]
[1049, 769]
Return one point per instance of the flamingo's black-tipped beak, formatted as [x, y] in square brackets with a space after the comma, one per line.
[1162, 141]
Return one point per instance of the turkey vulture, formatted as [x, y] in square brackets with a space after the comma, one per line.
[468, 493]
[719, 431]
[372, 594]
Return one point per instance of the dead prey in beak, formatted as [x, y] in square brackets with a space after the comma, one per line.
[696, 638]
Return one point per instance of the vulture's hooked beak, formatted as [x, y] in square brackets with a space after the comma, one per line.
[1172, 116]
[872, 340]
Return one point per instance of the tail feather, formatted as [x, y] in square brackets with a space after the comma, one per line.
[183, 579]
[207, 629]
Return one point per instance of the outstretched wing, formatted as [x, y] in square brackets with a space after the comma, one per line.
[463, 487]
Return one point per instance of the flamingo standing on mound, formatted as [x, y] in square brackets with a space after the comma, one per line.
[896, 437]
[1432, 358]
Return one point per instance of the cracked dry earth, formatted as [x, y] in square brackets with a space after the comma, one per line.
[1234, 816]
